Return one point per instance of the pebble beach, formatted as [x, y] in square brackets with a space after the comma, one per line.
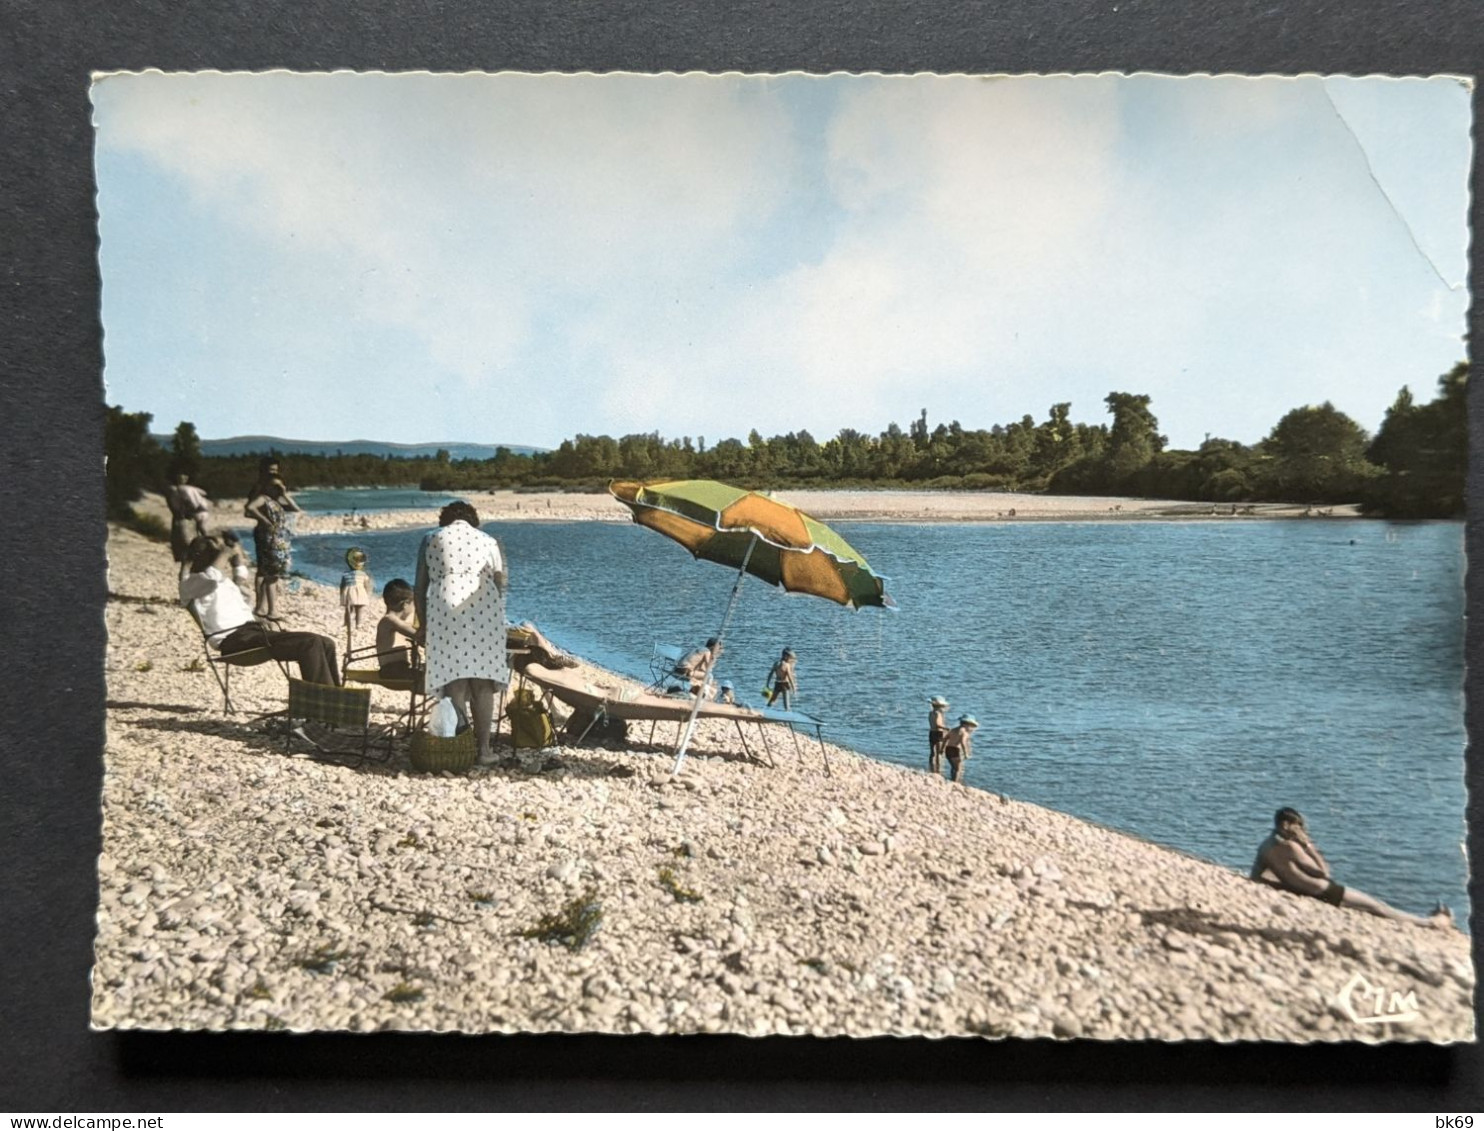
[588, 889]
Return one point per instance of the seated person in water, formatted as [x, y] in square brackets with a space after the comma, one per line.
[937, 732]
[1289, 860]
[224, 613]
[783, 681]
[958, 746]
[698, 664]
[398, 660]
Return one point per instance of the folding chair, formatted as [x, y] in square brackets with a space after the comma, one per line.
[337, 707]
[221, 665]
[417, 699]
[665, 668]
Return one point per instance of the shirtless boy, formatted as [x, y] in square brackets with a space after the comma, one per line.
[937, 732]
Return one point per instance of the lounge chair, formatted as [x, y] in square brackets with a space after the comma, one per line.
[599, 703]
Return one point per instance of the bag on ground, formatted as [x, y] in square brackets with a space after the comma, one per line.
[530, 722]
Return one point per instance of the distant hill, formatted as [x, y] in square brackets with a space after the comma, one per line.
[253, 445]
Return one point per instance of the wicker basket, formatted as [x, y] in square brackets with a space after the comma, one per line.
[431, 754]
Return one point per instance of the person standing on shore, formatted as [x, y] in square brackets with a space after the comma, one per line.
[269, 508]
[355, 588]
[937, 732]
[783, 681]
[1290, 861]
[190, 510]
[958, 746]
[460, 598]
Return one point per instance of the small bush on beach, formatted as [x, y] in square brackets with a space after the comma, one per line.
[404, 992]
[194, 666]
[259, 990]
[681, 893]
[573, 925]
[144, 666]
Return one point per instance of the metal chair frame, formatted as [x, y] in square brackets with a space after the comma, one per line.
[221, 665]
[417, 701]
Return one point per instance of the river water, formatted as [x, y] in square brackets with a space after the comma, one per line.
[1179, 680]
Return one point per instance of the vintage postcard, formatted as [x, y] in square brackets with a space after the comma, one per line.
[785, 554]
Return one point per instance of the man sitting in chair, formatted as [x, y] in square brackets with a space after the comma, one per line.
[698, 664]
[228, 621]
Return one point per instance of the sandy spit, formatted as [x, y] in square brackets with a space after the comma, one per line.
[859, 506]
[245, 888]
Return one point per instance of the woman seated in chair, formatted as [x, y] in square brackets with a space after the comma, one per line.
[396, 659]
[228, 622]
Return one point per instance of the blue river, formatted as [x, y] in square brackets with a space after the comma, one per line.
[1176, 680]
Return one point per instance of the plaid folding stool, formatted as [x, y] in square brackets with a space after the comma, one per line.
[339, 707]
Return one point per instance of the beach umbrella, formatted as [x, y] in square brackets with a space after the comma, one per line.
[755, 534]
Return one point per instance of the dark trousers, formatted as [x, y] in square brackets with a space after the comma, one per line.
[315, 654]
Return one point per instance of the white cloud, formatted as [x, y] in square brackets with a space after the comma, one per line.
[622, 253]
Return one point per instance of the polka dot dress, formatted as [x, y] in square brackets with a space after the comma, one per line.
[466, 611]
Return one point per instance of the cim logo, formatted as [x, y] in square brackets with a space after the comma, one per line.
[1366, 1003]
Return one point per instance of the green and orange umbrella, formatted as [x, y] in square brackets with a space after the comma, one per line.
[779, 543]
[754, 534]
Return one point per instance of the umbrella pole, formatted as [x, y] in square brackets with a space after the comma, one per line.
[695, 708]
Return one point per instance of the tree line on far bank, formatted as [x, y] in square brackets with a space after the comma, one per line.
[1412, 468]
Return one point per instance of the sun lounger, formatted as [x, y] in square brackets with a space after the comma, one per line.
[574, 690]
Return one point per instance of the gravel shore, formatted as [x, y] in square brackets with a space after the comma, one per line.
[246, 888]
[859, 506]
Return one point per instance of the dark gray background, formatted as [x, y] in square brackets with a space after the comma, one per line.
[52, 692]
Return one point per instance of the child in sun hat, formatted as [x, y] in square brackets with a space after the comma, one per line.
[937, 732]
[958, 746]
[355, 588]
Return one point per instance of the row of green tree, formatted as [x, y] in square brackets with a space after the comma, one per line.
[1412, 468]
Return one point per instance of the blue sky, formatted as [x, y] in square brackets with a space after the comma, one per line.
[519, 258]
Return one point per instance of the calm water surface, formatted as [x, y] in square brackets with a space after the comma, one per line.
[1178, 680]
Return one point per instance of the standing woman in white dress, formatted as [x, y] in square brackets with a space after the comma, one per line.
[461, 584]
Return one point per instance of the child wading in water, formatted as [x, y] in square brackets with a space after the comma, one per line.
[396, 659]
[783, 682]
[355, 589]
[937, 732]
[958, 746]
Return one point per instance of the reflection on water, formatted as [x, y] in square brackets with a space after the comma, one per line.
[1180, 680]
